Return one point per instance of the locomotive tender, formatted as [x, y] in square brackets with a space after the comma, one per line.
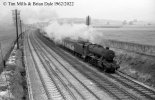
[93, 53]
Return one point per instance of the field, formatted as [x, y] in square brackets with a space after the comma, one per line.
[140, 35]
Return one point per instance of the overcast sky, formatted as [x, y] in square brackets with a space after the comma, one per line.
[103, 9]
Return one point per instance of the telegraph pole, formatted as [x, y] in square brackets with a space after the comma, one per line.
[17, 27]
[88, 20]
[2, 55]
[21, 28]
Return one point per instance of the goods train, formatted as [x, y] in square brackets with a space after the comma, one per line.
[93, 53]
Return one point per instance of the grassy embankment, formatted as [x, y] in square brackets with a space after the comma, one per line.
[13, 77]
[7, 37]
[135, 50]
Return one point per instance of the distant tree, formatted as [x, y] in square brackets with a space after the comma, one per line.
[124, 22]
[131, 23]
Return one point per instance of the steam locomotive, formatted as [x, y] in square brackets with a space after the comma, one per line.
[93, 53]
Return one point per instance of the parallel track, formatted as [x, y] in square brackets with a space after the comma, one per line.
[61, 87]
[49, 86]
[35, 88]
[88, 94]
[113, 90]
[130, 84]
[53, 73]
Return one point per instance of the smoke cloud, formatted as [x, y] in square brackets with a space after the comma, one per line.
[58, 32]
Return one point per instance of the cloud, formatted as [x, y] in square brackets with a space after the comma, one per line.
[37, 15]
[28, 14]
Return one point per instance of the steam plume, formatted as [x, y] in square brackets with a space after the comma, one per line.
[73, 31]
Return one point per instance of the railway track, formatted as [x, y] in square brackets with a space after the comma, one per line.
[134, 86]
[49, 78]
[65, 77]
[79, 84]
[34, 87]
[51, 74]
[102, 82]
[51, 89]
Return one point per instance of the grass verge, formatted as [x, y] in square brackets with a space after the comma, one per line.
[14, 80]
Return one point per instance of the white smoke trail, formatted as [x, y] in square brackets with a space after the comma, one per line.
[73, 31]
